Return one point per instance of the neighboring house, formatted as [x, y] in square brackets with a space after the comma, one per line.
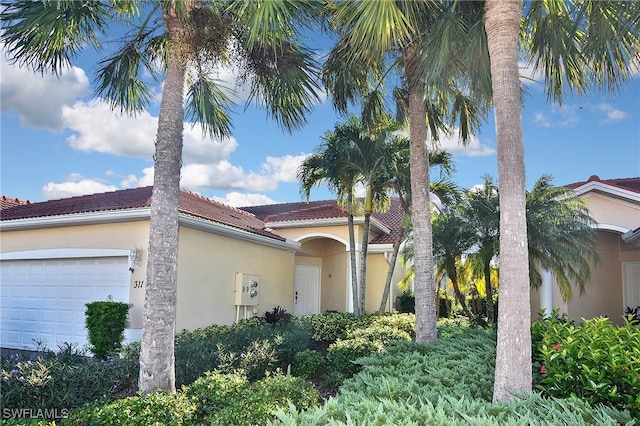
[615, 278]
[58, 255]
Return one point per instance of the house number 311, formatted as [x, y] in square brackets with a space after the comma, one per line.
[138, 284]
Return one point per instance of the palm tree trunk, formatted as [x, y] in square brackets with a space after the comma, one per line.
[489, 292]
[392, 265]
[157, 363]
[513, 352]
[363, 263]
[461, 299]
[424, 280]
[352, 257]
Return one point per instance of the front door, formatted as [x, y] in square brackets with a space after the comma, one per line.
[306, 297]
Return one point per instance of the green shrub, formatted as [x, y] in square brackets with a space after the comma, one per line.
[403, 322]
[214, 391]
[362, 409]
[343, 354]
[597, 362]
[250, 345]
[229, 399]
[329, 326]
[379, 332]
[106, 321]
[66, 379]
[157, 408]
[407, 302]
[307, 364]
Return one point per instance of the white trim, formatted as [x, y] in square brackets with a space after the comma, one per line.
[607, 189]
[130, 215]
[64, 253]
[610, 227]
[332, 221]
[240, 234]
[632, 237]
[322, 235]
[75, 219]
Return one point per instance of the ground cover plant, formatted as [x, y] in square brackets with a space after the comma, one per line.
[364, 370]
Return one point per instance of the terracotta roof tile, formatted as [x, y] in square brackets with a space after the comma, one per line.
[630, 184]
[327, 209]
[190, 204]
[8, 202]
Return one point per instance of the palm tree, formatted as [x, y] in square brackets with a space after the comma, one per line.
[376, 38]
[452, 237]
[330, 165]
[482, 212]
[186, 38]
[574, 45]
[348, 157]
[561, 235]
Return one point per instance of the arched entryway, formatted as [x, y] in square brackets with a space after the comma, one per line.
[321, 275]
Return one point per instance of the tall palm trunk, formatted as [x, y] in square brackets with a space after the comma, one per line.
[488, 292]
[157, 363]
[392, 264]
[424, 280]
[365, 249]
[513, 357]
[453, 276]
[352, 256]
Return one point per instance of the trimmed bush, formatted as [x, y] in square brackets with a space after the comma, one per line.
[106, 321]
[214, 391]
[343, 354]
[596, 361]
[330, 326]
[307, 364]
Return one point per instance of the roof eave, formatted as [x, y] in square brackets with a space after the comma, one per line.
[632, 237]
[75, 219]
[236, 233]
[332, 221]
[609, 190]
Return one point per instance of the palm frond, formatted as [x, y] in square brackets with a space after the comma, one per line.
[45, 35]
[207, 104]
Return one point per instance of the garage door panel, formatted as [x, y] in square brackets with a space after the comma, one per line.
[45, 299]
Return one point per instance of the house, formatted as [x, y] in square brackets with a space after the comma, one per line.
[615, 278]
[58, 255]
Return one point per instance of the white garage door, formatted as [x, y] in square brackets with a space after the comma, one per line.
[44, 299]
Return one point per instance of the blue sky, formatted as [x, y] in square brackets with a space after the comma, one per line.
[56, 141]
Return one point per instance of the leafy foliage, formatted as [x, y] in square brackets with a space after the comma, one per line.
[307, 364]
[596, 361]
[277, 315]
[329, 326]
[106, 321]
[68, 379]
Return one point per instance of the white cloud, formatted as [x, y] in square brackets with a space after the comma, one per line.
[565, 116]
[611, 113]
[236, 199]
[452, 143]
[283, 169]
[73, 187]
[39, 99]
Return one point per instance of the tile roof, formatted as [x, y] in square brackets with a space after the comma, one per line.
[630, 184]
[190, 204]
[327, 209]
[7, 202]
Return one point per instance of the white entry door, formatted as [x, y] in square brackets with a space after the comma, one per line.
[306, 297]
[631, 277]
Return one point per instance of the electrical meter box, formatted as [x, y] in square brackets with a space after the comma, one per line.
[247, 290]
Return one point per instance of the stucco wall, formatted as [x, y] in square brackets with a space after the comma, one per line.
[125, 236]
[613, 211]
[603, 295]
[207, 267]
